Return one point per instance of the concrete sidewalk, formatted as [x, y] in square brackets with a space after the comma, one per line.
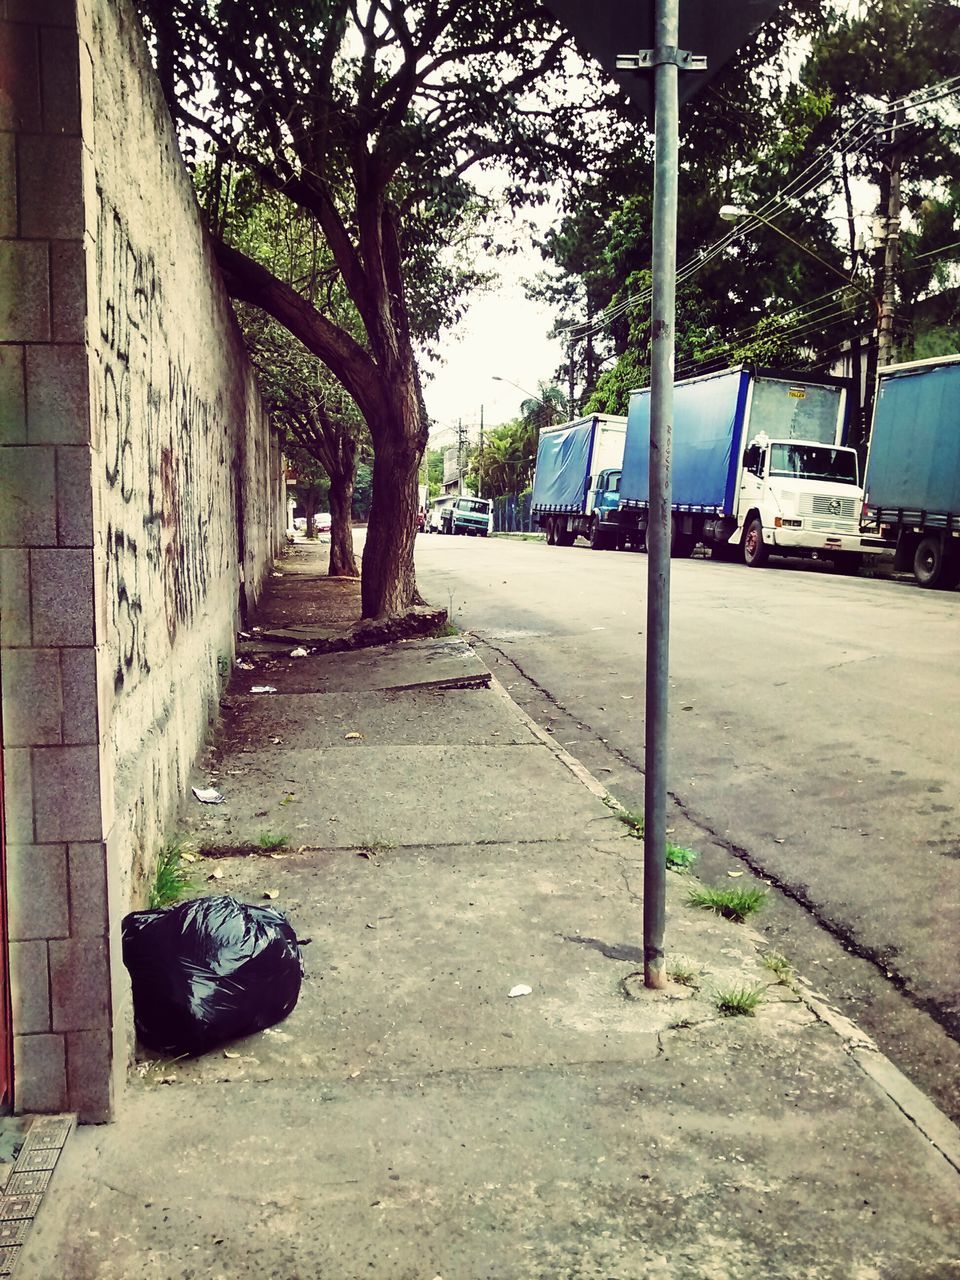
[411, 1120]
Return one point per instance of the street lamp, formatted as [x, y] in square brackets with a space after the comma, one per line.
[496, 377]
[737, 212]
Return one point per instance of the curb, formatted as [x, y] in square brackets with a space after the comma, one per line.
[938, 1129]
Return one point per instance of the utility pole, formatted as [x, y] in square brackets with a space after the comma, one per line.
[572, 401]
[480, 458]
[461, 451]
[891, 251]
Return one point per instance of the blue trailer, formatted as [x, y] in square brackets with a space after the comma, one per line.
[576, 484]
[758, 464]
[912, 487]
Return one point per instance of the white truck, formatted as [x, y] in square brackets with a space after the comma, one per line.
[758, 467]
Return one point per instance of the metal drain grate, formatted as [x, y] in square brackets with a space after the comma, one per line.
[22, 1196]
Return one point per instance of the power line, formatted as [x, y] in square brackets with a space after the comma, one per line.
[854, 138]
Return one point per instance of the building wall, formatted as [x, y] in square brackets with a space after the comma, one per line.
[140, 507]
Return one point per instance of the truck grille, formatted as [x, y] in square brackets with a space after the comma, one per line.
[818, 504]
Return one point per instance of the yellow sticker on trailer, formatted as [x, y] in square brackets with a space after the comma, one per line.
[796, 393]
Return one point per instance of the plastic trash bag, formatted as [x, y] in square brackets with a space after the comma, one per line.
[209, 970]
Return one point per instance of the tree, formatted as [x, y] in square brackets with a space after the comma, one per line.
[311, 483]
[319, 418]
[827, 132]
[367, 116]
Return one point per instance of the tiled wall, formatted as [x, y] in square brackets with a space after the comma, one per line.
[56, 857]
[131, 436]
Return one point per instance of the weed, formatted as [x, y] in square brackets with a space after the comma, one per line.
[269, 841]
[171, 881]
[778, 965]
[632, 821]
[223, 665]
[731, 1002]
[732, 904]
[444, 629]
[679, 858]
[680, 1025]
[685, 973]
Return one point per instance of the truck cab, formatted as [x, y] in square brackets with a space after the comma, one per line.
[472, 516]
[799, 495]
[603, 493]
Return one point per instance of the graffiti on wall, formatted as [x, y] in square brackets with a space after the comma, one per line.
[163, 451]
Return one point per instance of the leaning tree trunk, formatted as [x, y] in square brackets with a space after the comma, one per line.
[343, 563]
[388, 582]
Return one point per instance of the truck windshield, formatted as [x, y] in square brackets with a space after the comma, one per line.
[478, 505]
[813, 462]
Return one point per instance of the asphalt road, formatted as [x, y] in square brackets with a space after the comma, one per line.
[814, 743]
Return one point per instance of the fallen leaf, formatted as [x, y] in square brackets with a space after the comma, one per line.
[187, 857]
[521, 989]
[228, 1053]
[271, 893]
[777, 840]
[215, 875]
[733, 874]
[348, 736]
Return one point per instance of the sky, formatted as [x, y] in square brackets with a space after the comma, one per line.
[503, 333]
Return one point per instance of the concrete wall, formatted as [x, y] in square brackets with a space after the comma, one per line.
[140, 507]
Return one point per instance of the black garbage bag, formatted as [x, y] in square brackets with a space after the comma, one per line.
[209, 970]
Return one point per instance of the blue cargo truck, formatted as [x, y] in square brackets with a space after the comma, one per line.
[576, 484]
[912, 487]
[759, 466]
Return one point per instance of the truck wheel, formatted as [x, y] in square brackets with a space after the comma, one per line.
[753, 546]
[681, 544]
[566, 537]
[598, 536]
[931, 565]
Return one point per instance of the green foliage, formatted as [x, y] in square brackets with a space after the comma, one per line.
[765, 121]
[171, 879]
[778, 965]
[679, 858]
[737, 1001]
[271, 841]
[732, 904]
[632, 821]
[684, 972]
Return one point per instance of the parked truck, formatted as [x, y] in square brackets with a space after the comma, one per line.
[912, 486]
[576, 484]
[759, 465]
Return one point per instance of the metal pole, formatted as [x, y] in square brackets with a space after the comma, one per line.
[663, 315]
[891, 252]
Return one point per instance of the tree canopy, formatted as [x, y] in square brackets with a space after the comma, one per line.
[369, 117]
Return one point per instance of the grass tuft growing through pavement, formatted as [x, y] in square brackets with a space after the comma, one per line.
[171, 880]
[680, 858]
[732, 1002]
[632, 821]
[779, 966]
[732, 904]
[270, 841]
[684, 972]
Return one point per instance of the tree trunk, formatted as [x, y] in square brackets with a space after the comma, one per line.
[343, 564]
[388, 583]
